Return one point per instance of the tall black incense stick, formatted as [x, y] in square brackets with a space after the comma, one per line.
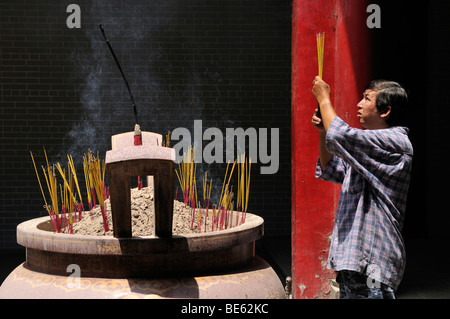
[121, 72]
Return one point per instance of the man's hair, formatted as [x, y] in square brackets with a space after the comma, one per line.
[390, 94]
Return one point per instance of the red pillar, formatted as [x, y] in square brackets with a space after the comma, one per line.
[347, 70]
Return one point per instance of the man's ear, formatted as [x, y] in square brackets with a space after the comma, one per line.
[385, 115]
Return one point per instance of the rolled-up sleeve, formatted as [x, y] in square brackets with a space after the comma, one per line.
[334, 172]
[375, 154]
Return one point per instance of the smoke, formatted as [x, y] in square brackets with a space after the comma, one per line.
[166, 72]
[105, 106]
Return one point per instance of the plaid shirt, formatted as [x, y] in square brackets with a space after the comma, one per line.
[374, 168]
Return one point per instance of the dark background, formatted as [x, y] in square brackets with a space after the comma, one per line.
[225, 62]
[412, 47]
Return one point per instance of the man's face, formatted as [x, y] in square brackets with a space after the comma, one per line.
[368, 115]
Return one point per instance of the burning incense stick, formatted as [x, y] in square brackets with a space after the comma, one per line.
[121, 72]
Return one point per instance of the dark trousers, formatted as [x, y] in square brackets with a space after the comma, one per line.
[353, 285]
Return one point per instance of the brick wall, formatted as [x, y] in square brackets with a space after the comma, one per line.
[224, 62]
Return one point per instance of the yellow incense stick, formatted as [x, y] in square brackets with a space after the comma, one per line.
[210, 186]
[179, 179]
[86, 177]
[40, 185]
[248, 184]
[53, 189]
[46, 159]
[97, 181]
[46, 180]
[74, 174]
[231, 174]
[223, 185]
[63, 175]
[61, 193]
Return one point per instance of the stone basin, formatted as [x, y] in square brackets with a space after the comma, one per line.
[218, 264]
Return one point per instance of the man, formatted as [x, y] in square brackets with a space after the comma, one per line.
[374, 167]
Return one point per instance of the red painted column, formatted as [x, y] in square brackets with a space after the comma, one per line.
[347, 70]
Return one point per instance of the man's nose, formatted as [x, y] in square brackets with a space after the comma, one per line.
[359, 105]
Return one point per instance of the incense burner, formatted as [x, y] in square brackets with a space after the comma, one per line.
[220, 264]
[207, 265]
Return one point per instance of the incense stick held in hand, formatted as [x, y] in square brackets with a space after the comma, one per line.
[320, 37]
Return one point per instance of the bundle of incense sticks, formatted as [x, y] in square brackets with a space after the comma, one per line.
[186, 177]
[95, 173]
[72, 199]
[226, 213]
[165, 141]
[320, 37]
[226, 209]
[58, 218]
[70, 205]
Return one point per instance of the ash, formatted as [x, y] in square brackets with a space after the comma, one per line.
[142, 217]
